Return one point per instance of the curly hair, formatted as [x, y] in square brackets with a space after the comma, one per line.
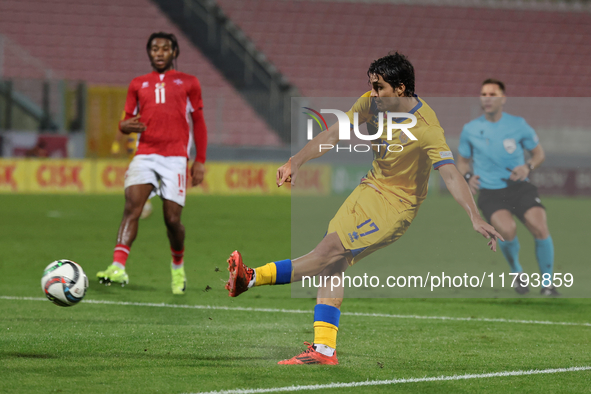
[396, 70]
[167, 36]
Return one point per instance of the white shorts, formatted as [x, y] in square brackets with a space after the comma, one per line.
[167, 174]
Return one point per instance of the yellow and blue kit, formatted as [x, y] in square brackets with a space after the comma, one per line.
[381, 208]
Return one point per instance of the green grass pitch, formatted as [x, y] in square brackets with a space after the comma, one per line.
[118, 340]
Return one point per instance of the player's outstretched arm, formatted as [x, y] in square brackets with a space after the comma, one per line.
[459, 190]
[464, 167]
[288, 171]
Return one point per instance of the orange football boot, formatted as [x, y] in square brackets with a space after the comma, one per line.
[240, 275]
[311, 356]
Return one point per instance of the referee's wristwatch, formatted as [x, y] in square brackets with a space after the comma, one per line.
[530, 166]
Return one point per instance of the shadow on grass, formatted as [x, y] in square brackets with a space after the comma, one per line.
[26, 355]
[135, 356]
[113, 288]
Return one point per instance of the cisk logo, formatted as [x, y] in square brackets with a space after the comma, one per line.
[114, 176]
[59, 176]
[345, 127]
[7, 176]
[249, 177]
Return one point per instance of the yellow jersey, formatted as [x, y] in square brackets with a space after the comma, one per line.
[401, 166]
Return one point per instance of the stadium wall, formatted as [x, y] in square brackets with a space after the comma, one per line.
[97, 176]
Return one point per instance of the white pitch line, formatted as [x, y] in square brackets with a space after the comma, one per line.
[299, 311]
[397, 381]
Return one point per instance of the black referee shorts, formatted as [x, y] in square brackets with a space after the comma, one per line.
[517, 199]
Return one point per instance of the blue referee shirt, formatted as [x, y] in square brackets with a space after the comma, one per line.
[496, 148]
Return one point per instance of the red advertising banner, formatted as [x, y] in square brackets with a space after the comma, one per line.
[59, 176]
[313, 179]
[11, 179]
[110, 175]
[559, 181]
[253, 178]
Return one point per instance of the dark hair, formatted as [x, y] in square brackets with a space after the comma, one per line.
[496, 82]
[397, 70]
[166, 36]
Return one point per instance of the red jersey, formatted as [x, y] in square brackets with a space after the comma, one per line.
[165, 102]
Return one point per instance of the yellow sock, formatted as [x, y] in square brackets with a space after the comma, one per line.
[266, 275]
[325, 334]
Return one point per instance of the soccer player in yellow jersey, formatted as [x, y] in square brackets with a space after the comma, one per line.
[379, 210]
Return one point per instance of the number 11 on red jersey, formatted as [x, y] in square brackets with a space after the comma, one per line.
[159, 92]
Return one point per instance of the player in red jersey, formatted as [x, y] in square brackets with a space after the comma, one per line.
[157, 108]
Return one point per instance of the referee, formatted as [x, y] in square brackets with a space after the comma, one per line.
[494, 146]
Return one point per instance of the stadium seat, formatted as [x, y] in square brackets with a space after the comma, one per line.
[454, 48]
[103, 43]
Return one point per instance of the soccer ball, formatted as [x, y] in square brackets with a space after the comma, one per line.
[64, 282]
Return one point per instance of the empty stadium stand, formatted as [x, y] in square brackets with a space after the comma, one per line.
[325, 48]
[103, 42]
[322, 47]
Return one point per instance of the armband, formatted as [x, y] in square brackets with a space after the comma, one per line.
[467, 176]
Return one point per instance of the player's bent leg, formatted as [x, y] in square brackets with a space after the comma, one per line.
[326, 322]
[327, 311]
[503, 221]
[536, 222]
[333, 295]
[328, 251]
[243, 278]
[171, 172]
[174, 227]
[176, 236]
[135, 197]
[326, 326]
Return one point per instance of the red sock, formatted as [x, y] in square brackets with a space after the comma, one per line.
[120, 254]
[177, 257]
